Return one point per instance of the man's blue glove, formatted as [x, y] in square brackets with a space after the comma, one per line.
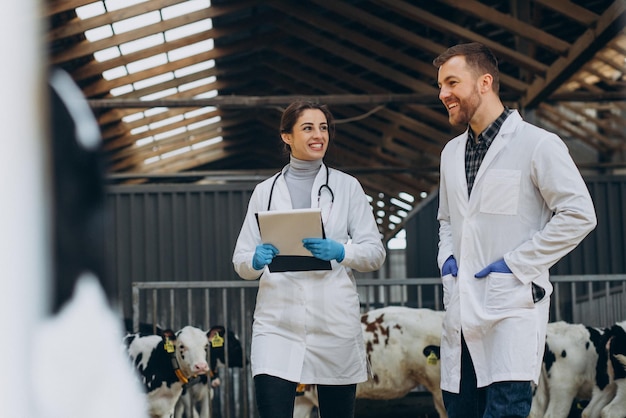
[325, 248]
[495, 267]
[449, 267]
[263, 255]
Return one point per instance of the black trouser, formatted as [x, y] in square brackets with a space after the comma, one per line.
[511, 399]
[275, 398]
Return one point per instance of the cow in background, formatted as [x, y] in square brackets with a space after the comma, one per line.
[569, 368]
[402, 347]
[225, 351]
[168, 363]
[609, 393]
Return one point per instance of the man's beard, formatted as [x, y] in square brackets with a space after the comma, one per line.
[467, 109]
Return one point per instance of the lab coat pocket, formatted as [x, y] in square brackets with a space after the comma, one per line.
[500, 192]
[505, 291]
[449, 284]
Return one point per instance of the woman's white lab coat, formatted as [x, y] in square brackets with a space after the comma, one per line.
[530, 206]
[307, 324]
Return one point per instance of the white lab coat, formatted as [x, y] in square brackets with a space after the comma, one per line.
[307, 324]
[525, 177]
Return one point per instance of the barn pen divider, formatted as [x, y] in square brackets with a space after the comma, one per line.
[594, 300]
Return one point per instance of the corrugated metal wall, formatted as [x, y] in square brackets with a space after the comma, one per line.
[187, 232]
[602, 252]
[173, 233]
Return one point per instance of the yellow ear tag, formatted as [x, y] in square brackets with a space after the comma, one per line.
[432, 359]
[169, 345]
[217, 341]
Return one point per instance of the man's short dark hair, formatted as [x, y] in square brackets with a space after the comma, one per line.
[478, 57]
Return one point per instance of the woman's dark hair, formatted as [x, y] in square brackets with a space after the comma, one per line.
[294, 111]
[478, 58]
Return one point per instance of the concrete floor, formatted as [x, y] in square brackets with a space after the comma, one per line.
[414, 405]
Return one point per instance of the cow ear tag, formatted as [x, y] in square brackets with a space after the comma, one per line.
[217, 341]
[169, 345]
[432, 359]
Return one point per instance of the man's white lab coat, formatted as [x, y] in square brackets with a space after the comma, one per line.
[307, 324]
[530, 206]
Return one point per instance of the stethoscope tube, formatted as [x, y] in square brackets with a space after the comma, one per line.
[319, 191]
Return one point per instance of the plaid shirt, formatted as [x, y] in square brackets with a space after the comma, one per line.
[475, 150]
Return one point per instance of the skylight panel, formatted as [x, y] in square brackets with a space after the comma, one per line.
[156, 111]
[400, 203]
[195, 68]
[187, 7]
[406, 196]
[187, 30]
[207, 95]
[160, 94]
[90, 10]
[151, 160]
[176, 152]
[207, 143]
[197, 112]
[99, 33]
[204, 122]
[114, 73]
[144, 141]
[146, 63]
[166, 122]
[153, 81]
[120, 4]
[191, 50]
[142, 43]
[139, 130]
[197, 83]
[168, 134]
[137, 22]
[107, 54]
[132, 118]
[119, 91]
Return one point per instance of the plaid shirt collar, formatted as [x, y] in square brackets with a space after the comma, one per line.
[489, 134]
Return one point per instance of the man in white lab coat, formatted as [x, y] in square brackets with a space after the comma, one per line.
[512, 203]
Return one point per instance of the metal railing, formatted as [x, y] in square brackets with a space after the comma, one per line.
[595, 300]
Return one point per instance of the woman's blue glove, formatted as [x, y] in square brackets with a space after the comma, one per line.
[263, 255]
[325, 248]
[495, 267]
[449, 267]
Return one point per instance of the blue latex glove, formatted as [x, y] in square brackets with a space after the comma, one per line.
[495, 267]
[449, 267]
[263, 255]
[325, 248]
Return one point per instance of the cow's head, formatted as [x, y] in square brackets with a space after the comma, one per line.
[191, 346]
[218, 339]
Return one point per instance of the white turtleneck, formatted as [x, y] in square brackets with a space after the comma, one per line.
[300, 176]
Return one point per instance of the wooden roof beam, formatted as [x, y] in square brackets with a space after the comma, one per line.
[571, 10]
[425, 18]
[354, 13]
[511, 24]
[594, 38]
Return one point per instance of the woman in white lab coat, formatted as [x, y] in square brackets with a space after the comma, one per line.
[307, 323]
[527, 207]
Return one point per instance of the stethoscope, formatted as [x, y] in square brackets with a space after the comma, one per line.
[319, 191]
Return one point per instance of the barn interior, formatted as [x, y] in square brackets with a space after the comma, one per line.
[191, 90]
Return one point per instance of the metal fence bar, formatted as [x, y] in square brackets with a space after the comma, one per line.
[574, 299]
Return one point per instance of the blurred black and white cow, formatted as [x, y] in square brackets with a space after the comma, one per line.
[226, 351]
[609, 393]
[569, 368]
[402, 346]
[167, 363]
